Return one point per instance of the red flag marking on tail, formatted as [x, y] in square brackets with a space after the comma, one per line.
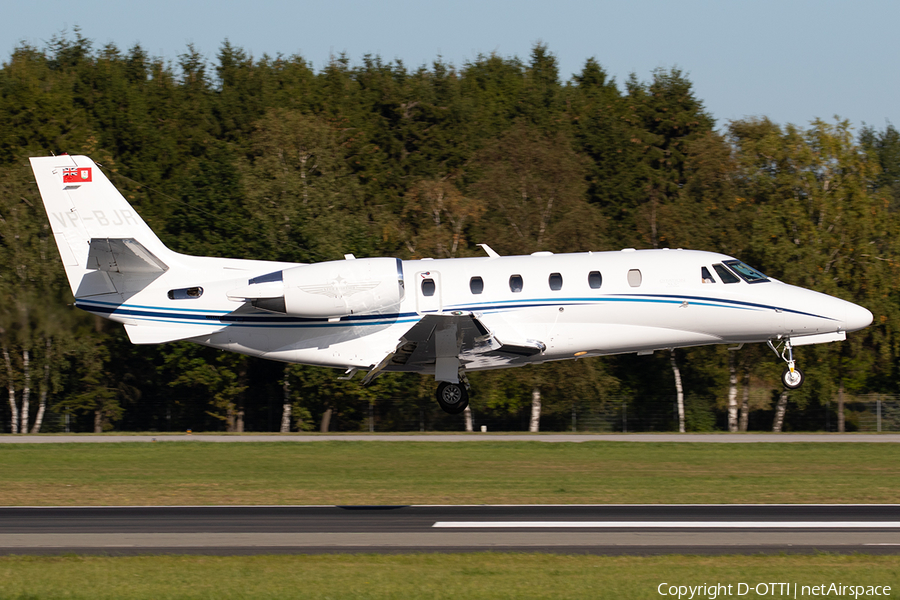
[76, 174]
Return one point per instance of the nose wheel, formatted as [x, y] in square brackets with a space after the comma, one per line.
[792, 377]
[452, 397]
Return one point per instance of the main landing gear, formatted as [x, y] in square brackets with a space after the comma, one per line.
[792, 377]
[453, 397]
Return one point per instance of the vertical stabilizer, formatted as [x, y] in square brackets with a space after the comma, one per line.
[83, 205]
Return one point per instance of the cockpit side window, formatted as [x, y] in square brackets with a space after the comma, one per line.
[705, 276]
[726, 275]
[746, 272]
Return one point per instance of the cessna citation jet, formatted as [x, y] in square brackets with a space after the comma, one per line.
[439, 317]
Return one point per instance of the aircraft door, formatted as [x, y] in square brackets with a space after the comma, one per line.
[428, 292]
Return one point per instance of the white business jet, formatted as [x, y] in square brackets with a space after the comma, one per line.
[439, 317]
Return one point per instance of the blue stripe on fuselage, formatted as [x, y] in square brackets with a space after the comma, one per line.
[205, 316]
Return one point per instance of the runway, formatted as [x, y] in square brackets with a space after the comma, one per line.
[596, 529]
[715, 438]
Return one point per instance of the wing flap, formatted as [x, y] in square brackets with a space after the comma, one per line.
[443, 342]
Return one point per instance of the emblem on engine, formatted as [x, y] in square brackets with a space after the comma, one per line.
[339, 288]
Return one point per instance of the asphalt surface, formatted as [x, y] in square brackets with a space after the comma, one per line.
[719, 438]
[596, 529]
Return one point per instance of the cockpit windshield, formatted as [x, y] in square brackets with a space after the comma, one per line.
[746, 272]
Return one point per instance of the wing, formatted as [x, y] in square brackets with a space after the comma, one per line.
[443, 343]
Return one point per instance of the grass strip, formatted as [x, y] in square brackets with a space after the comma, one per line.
[436, 576]
[354, 473]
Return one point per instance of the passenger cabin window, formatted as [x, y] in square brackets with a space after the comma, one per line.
[634, 278]
[476, 285]
[595, 280]
[705, 276]
[515, 283]
[185, 293]
[428, 287]
[726, 275]
[555, 281]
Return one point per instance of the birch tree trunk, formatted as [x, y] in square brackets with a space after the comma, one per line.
[468, 414]
[42, 405]
[840, 407]
[732, 394]
[10, 385]
[286, 405]
[745, 402]
[45, 386]
[535, 424]
[679, 390]
[780, 409]
[326, 421]
[26, 392]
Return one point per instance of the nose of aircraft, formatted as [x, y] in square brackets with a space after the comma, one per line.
[857, 317]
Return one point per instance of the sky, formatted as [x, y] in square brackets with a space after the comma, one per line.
[789, 60]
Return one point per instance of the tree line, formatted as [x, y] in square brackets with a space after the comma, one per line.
[270, 158]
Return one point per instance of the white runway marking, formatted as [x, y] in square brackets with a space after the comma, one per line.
[670, 524]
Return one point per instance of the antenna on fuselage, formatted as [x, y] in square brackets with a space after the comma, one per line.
[490, 251]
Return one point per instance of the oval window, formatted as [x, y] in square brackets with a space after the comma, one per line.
[555, 281]
[428, 287]
[476, 285]
[515, 283]
[634, 278]
[595, 280]
[185, 293]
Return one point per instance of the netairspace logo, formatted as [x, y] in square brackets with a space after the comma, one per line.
[778, 589]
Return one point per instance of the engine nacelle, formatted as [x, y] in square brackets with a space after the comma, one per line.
[330, 289]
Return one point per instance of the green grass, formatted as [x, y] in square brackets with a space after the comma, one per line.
[446, 473]
[484, 575]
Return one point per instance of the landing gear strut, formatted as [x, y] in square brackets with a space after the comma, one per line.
[453, 397]
[792, 377]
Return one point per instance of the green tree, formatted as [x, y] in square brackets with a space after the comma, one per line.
[219, 377]
[665, 118]
[306, 203]
[533, 186]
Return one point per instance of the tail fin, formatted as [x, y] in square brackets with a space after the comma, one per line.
[104, 244]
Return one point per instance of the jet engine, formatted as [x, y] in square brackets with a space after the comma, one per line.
[328, 290]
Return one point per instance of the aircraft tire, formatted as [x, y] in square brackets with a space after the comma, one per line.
[452, 397]
[792, 382]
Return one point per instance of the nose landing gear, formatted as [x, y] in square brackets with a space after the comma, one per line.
[792, 377]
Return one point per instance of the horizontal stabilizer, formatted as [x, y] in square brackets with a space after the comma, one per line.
[123, 255]
[149, 334]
